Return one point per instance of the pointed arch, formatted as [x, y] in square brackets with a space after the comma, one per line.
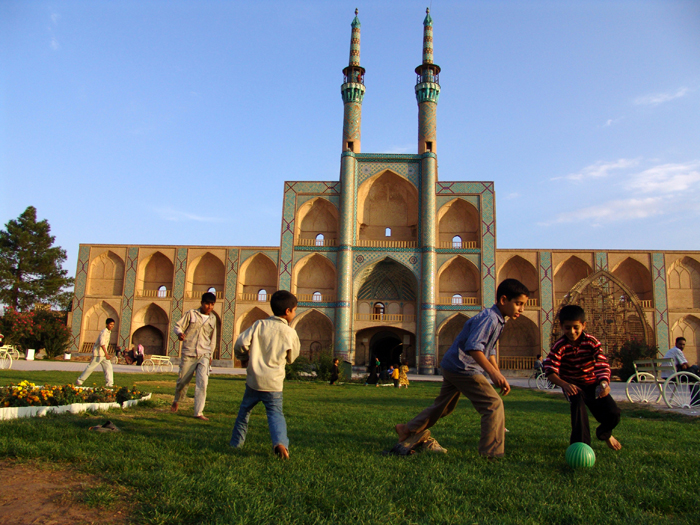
[688, 327]
[314, 273]
[458, 276]
[257, 273]
[94, 322]
[567, 274]
[386, 279]
[458, 218]
[315, 217]
[684, 283]
[387, 200]
[252, 315]
[204, 272]
[315, 332]
[518, 268]
[155, 271]
[636, 276]
[448, 332]
[107, 274]
[520, 338]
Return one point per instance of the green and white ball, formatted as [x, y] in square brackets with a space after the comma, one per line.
[580, 455]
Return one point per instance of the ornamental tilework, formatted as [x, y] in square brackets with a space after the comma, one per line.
[332, 256]
[303, 199]
[601, 261]
[247, 254]
[546, 300]
[660, 300]
[444, 315]
[441, 200]
[410, 260]
[457, 308]
[457, 188]
[488, 244]
[352, 119]
[81, 276]
[132, 260]
[228, 312]
[409, 170]
[442, 258]
[178, 299]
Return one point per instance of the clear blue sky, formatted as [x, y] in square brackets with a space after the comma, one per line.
[177, 122]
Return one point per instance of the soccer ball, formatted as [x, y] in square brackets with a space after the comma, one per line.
[580, 455]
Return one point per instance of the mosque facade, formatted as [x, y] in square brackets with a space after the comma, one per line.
[388, 261]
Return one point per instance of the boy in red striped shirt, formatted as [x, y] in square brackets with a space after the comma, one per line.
[577, 365]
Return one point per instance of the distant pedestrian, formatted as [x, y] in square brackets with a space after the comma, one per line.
[335, 371]
[403, 375]
[100, 356]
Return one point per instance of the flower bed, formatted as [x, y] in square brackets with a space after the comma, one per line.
[29, 400]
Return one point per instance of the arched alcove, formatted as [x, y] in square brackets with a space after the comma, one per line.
[315, 332]
[317, 217]
[518, 268]
[155, 272]
[520, 338]
[207, 271]
[567, 274]
[106, 275]
[247, 320]
[684, 284]
[448, 332]
[314, 273]
[94, 321]
[387, 200]
[636, 277]
[688, 327]
[458, 218]
[152, 339]
[151, 323]
[257, 273]
[458, 276]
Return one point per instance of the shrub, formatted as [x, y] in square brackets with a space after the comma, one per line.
[36, 329]
[628, 353]
[317, 369]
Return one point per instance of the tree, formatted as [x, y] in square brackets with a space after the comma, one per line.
[30, 266]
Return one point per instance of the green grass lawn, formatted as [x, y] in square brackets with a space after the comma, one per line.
[182, 470]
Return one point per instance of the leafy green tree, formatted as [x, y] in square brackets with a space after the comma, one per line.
[30, 266]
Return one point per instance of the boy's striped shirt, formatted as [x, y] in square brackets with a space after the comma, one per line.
[583, 364]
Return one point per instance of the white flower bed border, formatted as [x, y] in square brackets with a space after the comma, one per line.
[7, 413]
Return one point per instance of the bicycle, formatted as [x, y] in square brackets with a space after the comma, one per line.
[5, 359]
[538, 380]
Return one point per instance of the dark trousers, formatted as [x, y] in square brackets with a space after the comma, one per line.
[604, 410]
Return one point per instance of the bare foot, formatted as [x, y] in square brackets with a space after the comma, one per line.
[174, 406]
[613, 443]
[402, 431]
[282, 452]
[202, 417]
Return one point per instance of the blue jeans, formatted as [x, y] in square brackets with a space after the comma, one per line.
[275, 417]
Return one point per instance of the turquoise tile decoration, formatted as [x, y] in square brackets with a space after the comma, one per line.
[176, 311]
[132, 261]
[661, 325]
[547, 312]
[228, 312]
[79, 287]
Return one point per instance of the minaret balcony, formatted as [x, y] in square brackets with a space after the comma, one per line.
[428, 92]
[352, 92]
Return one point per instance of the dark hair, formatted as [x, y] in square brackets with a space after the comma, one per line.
[539, 355]
[572, 312]
[281, 301]
[679, 339]
[511, 288]
[109, 320]
[208, 297]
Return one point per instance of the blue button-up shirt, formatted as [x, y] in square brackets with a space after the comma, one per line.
[479, 333]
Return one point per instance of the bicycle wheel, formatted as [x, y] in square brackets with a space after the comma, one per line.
[14, 353]
[5, 361]
[532, 382]
[148, 366]
[682, 390]
[543, 383]
[168, 367]
[642, 388]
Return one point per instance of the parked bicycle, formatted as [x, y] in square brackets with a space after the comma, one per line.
[539, 381]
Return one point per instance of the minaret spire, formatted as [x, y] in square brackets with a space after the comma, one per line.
[353, 91]
[427, 90]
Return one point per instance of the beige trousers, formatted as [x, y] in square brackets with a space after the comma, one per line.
[486, 401]
[189, 366]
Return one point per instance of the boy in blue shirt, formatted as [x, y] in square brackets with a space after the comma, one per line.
[471, 356]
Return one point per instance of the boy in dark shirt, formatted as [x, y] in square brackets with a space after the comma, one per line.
[577, 365]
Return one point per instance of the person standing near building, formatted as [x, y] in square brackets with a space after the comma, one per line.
[197, 331]
[679, 359]
[100, 356]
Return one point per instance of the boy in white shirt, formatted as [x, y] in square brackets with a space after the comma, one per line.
[100, 356]
[265, 348]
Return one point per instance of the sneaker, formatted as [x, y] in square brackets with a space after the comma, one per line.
[410, 444]
[431, 445]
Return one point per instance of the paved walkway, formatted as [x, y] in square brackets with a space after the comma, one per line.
[617, 388]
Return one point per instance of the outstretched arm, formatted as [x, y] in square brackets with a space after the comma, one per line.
[491, 369]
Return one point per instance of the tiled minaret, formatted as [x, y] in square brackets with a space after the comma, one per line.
[427, 94]
[352, 91]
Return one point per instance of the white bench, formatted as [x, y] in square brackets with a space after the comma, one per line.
[656, 379]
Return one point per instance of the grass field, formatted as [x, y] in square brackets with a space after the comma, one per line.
[182, 470]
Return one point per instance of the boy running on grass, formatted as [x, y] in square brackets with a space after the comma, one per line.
[265, 348]
[472, 355]
[577, 364]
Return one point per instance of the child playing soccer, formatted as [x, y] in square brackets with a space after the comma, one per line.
[577, 364]
[265, 348]
[472, 355]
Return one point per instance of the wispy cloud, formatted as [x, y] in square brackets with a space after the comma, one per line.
[54, 43]
[659, 190]
[659, 98]
[55, 17]
[612, 122]
[512, 196]
[600, 169]
[402, 149]
[168, 214]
